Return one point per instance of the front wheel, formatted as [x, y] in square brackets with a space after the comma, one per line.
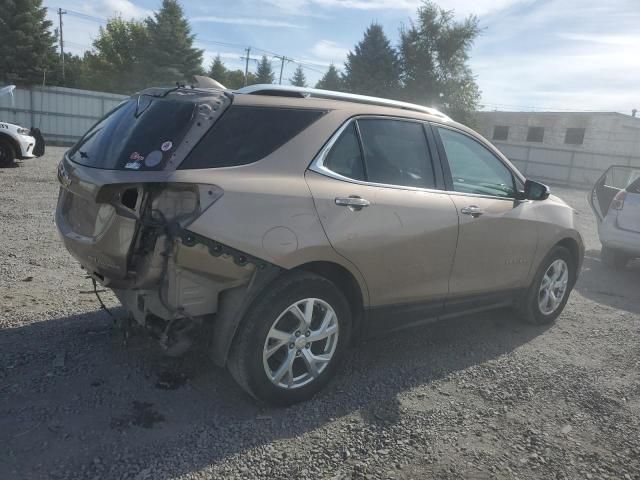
[291, 340]
[548, 294]
[7, 155]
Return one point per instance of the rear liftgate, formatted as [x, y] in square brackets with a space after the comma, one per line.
[129, 230]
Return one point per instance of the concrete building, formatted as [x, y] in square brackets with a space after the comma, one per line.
[564, 147]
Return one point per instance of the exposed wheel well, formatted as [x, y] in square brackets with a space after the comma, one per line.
[571, 245]
[345, 281]
[10, 141]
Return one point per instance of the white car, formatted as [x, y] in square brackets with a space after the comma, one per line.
[17, 142]
[615, 199]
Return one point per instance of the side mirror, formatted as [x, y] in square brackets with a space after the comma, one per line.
[535, 190]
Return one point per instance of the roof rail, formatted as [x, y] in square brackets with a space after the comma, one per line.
[303, 92]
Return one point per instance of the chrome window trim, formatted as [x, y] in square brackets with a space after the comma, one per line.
[317, 165]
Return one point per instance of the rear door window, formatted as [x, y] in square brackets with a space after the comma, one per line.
[396, 153]
[246, 134]
[139, 134]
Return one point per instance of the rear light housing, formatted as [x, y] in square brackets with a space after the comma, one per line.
[618, 201]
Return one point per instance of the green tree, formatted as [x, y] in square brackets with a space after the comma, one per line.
[331, 80]
[434, 56]
[372, 68]
[235, 79]
[264, 73]
[171, 55]
[298, 79]
[218, 71]
[119, 62]
[27, 46]
[75, 72]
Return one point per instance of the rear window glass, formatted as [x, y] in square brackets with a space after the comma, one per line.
[136, 135]
[245, 135]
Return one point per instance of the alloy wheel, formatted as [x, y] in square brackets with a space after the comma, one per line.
[300, 343]
[553, 287]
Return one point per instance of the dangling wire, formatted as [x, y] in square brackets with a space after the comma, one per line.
[102, 305]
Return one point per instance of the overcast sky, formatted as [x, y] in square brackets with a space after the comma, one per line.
[532, 54]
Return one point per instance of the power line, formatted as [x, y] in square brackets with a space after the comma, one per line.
[85, 16]
[304, 64]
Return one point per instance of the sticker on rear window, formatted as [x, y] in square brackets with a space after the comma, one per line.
[166, 146]
[133, 165]
[136, 157]
[153, 159]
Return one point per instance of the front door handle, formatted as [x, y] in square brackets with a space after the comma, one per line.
[472, 210]
[353, 202]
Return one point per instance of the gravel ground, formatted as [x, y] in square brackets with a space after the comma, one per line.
[480, 397]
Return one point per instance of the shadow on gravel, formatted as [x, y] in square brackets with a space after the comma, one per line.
[615, 288]
[72, 385]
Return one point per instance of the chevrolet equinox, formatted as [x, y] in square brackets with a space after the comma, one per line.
[281, 223]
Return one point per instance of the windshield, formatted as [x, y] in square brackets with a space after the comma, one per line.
[139, 134]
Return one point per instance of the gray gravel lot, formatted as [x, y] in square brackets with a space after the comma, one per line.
[479, 397]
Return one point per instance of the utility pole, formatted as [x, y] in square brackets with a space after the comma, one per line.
[284, 59]
[246, 65]
[60, 13]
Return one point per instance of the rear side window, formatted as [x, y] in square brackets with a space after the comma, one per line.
[345, 158]
[396, 153]
[245, 135]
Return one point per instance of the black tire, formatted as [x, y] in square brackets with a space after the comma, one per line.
[7, 154]
[245, 362]
[529, 308]
[613, 258]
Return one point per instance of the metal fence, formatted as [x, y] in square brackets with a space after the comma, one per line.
[563, 166]
[65, 114]
[62, 114]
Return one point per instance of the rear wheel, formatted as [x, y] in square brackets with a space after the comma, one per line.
[613, 258]
[7, 154]
[291, 340]
[548, 294]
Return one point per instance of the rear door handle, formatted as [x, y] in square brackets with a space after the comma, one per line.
[353, 202]
[472, 210]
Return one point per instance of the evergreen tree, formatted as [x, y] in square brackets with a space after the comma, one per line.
[331, 80]
[372, 68]
[119, 62]
[434, 55]
[171, 55]
[75, 72]
[298, 79]
[218, 71]
[27, 46]
[265, 74]
[235, 79]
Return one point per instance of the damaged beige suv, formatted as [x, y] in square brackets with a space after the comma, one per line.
[285, 222]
